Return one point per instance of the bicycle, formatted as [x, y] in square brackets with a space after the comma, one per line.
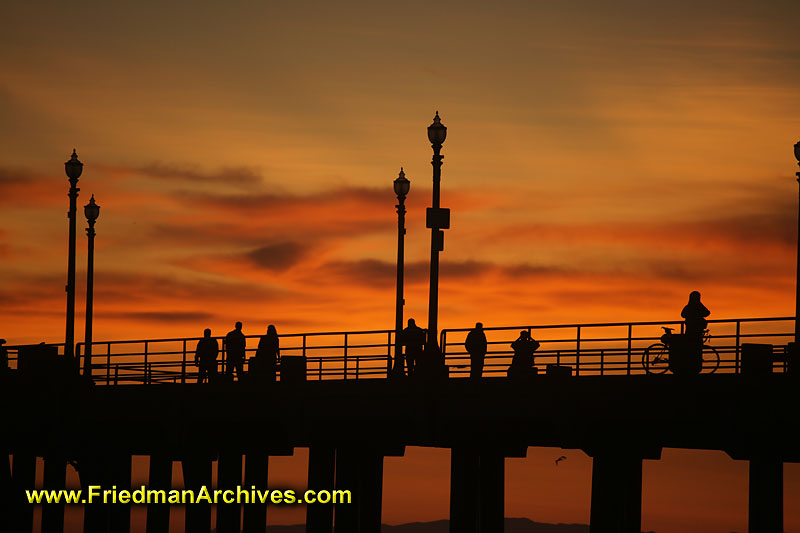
[656, 356]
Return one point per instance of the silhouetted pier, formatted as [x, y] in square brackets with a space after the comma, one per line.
[349, 416]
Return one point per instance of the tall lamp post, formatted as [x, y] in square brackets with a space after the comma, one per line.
[797, 272]
[73, 168]
[401, 188]
[92, 211]
[437, 219]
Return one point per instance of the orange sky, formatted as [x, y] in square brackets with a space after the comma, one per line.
[602, 161]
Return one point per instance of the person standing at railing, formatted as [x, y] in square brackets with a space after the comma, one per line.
[413, 340]
[268, 354]
[476, 346]
[235, 345]
[205, 357]
[694, 314]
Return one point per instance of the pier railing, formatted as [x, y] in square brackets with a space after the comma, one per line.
[589, 349]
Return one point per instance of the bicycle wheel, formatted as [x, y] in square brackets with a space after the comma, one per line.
[656, 358]
[710, 359]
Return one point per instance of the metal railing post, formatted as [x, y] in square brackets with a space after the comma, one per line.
[146, 367]
[344, 361]
[224, 359]
[108, 363]
[389, 357]
[78, 355]
[738, 333]
[578, 351]
[602, 362]
[183, 364]
[630, 338]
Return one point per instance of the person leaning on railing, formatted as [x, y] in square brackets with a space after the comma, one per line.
[522, 361]
[694, 314]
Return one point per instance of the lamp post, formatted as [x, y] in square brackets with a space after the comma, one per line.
[401, 188]
[437, 219]
[797, 272]
[92, 211]
[73, 168]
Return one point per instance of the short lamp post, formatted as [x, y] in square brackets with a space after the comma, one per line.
[401, 188]
[73, 169]
[797, 272]
[92, 211]
[437, 219]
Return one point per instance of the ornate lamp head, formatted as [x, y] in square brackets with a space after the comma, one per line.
[91, 210]
[401, 184]
[73, 166]
[437, 132]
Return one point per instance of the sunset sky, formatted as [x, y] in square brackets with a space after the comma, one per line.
[603, 159]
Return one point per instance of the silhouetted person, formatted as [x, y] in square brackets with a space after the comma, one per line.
[413, 340]
[235, 345]
[695, 314]
[522, 361]
[476, 346]
[206, 357]
[268, 353]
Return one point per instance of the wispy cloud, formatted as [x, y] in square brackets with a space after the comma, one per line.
[279, 256]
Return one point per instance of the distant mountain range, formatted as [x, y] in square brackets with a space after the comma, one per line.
[512, 525]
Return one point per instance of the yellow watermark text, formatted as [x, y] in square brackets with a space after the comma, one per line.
[143, 495]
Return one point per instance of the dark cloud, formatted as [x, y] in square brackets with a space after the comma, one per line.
[29, 290]
[528, 270]
[240, 176]
[249, 233]
[25, 187]
[14, 176]
[161, 316]
[264, 201]
[373, 272]
[278, 256]
[144, 290]
[779, 226]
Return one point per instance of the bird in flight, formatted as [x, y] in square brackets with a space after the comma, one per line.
[560, 459]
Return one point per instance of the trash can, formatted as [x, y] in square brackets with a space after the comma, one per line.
[558, 371]
[756, 359]
[39, 360]
[293, 368]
